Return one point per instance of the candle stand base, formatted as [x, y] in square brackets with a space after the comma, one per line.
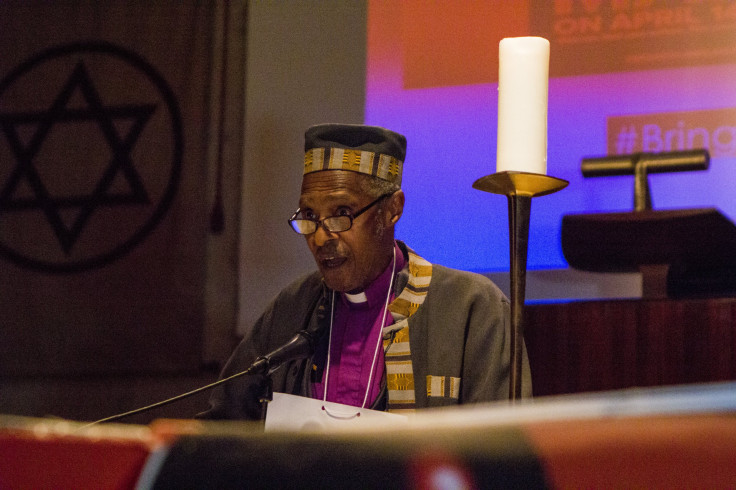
[519, 188]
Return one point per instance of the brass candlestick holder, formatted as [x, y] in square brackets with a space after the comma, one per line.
[519, 188]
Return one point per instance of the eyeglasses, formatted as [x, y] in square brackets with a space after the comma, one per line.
[333, 224]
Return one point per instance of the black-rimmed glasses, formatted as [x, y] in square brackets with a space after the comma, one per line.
[333, 224]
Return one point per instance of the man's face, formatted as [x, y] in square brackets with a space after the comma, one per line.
[349, 260]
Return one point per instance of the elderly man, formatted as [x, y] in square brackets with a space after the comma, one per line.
[394, 331]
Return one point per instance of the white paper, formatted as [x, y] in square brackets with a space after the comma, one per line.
[523, 75]
[297, 413]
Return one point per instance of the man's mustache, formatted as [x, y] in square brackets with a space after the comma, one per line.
[328, 251]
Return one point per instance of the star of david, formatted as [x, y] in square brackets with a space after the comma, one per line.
[120, 162]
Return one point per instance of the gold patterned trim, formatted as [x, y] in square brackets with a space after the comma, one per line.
[378, 165]
[443, 386]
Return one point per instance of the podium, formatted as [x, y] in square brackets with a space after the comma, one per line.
[680, 253]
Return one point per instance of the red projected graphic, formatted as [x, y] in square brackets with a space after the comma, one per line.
[596, 36]
[714, 130]
[454, 42]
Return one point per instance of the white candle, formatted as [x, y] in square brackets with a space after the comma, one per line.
[523, 74]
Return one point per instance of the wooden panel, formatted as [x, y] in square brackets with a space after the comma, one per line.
[604, 345]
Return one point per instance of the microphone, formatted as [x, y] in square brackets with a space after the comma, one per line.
[299, 347]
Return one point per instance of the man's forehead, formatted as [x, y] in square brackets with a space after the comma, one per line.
[332, 186]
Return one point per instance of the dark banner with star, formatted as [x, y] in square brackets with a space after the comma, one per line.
[103, 219]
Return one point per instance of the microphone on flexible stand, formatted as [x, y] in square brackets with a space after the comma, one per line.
[301, 346]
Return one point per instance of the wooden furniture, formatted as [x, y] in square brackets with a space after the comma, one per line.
[680, 253]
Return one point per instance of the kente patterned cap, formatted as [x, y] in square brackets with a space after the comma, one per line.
[369, 150]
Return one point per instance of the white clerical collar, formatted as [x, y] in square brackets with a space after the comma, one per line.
[356, 298]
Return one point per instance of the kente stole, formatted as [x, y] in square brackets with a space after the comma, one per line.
[399, 371]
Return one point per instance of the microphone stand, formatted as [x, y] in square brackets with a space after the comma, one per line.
[519, 188]
[253, 369]
[264, 365]
[299, 347]
[266, 395]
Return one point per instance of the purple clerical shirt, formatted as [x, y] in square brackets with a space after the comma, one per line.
[355, 336]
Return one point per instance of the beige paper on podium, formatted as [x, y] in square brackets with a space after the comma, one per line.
[297, 413]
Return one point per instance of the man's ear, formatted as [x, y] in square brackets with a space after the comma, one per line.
[395, 207]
